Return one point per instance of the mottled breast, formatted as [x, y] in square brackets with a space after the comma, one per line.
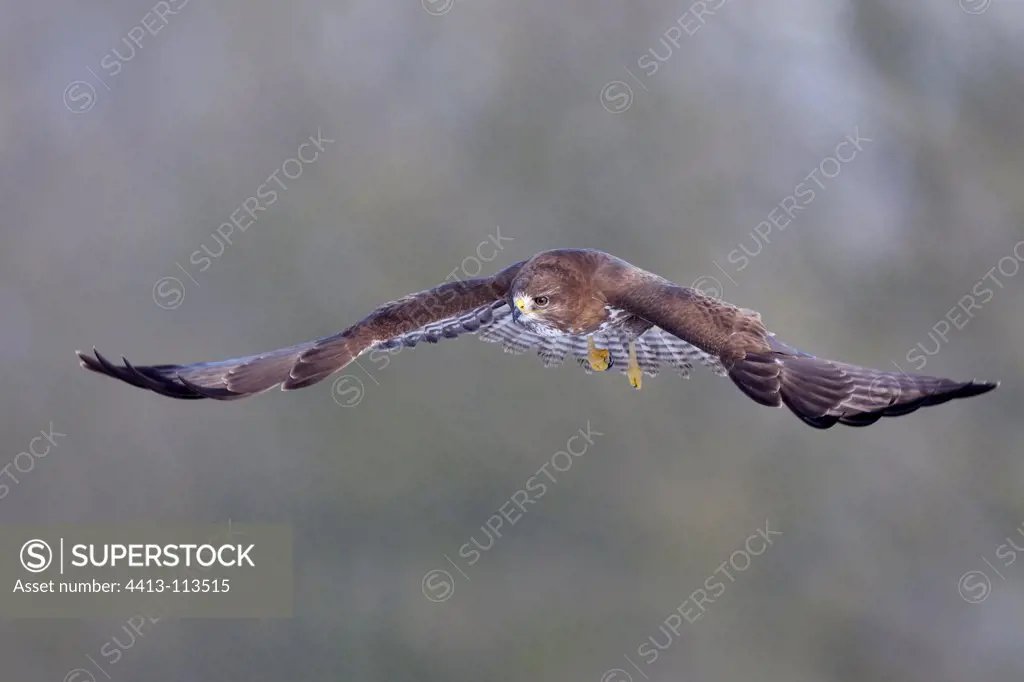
[620, 320]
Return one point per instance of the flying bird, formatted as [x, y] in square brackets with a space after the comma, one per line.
[600, 309]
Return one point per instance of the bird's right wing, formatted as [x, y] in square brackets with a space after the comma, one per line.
[442, 312]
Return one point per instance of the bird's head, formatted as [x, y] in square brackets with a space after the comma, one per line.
[529, 306]
[547, 296]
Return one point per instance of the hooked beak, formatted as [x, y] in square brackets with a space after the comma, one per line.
[520, 308]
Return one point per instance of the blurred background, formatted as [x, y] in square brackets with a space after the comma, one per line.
[678, 136]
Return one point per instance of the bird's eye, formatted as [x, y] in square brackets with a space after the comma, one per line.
[541, 301]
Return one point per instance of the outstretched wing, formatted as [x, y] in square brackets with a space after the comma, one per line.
[821, 392]
[442, 312]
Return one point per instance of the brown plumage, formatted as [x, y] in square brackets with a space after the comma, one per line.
[557, 302]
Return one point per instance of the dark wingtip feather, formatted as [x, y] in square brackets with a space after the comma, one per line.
[156, 383]
[86, 361]
[975, 387]
[824, 393]
[140, 377]
[110, 369]
[207, 392]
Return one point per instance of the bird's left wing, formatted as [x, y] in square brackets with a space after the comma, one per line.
[442, 312]
[821, 392]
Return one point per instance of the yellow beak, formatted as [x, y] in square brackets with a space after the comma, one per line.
[521, 302]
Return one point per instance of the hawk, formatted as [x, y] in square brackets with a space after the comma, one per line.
[601, 309]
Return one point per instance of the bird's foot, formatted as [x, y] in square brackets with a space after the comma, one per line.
[599, 358]
[633, 372]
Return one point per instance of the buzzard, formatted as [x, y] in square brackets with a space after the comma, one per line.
[601, 309]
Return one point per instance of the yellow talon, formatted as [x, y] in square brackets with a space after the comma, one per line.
[634, 372]
[599, 358]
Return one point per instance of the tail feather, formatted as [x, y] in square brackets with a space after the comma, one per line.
[823, 393]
